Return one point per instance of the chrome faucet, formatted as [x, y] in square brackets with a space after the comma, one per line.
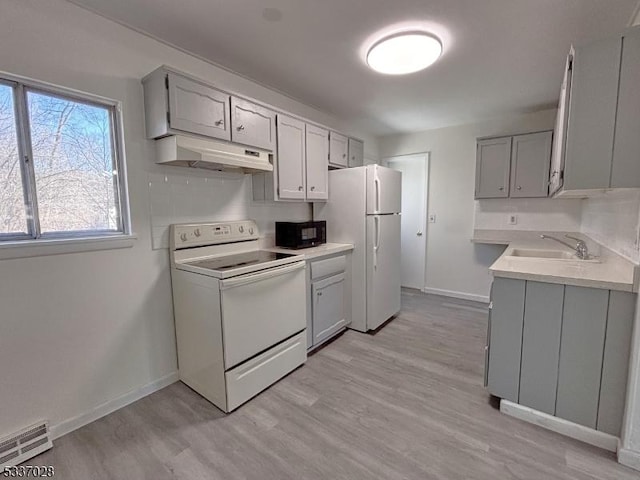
[581, 249]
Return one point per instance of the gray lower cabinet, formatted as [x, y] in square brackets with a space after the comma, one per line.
[561, 349]
[505, 341]
[615, 363]
[584, 323]
[329, 298]
[541, 346]
[328, 307]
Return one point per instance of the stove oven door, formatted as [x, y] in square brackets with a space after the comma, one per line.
[260, 310]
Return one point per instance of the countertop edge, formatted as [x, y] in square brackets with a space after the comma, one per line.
[316, 252]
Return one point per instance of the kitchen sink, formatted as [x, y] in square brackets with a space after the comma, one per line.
[549, 255]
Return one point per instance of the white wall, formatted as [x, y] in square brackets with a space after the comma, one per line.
[80, 330]
[181, 195]
[464, 269]
[612, 219]
[537, 214]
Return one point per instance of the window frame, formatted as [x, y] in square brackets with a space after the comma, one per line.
[20, 88]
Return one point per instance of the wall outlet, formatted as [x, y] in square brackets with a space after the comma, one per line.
[513, 219]
[432, 218]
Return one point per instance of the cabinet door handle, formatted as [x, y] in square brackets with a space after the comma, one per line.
[319, 294]
[518, 187]
[313, 188]
[344, 155]
[240, 128]
[300, 188]
[501, 188]
[219, 122]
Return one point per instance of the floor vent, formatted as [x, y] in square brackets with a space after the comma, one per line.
[25, 444]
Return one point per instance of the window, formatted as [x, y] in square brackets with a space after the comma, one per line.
[61, 171]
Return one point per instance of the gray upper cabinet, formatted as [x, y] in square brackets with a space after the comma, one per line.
[197, 108]
[601, 145]
[516, 167]
[592, 115]
[252, 124]
[356, 153]
[338, 150]
[626, 148]
[317, 146]
[177, 104]
[291, 158]
[530, 161]
[493, 160]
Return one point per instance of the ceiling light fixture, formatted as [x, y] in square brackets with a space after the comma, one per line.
[403, 53]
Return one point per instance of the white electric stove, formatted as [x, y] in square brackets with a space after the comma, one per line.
[240, 311]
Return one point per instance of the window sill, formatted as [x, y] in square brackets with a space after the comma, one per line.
[58, 246]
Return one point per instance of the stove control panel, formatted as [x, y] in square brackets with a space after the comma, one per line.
[202, 234]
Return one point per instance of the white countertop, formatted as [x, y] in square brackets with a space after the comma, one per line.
[609, 271]
[310, 253]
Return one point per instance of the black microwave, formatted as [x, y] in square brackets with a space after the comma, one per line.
[300, 234]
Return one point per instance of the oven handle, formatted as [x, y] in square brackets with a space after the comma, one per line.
[258, 277]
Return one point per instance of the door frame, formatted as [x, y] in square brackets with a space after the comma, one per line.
[426, 158]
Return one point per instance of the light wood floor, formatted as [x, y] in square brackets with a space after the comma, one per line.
[405, 403]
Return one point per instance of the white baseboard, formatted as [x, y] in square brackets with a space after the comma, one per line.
[111, 406]
[454, 294]
[559, 425]
[629, 458]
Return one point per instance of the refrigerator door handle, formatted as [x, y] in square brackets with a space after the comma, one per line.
[376, 244]
[376, 181]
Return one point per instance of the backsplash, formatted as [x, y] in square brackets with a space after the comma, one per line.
[542, 214]
[613, 219]
[202, 196]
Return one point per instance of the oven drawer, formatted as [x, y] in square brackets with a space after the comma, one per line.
[260, 310]
[330, 266]
[247, 380]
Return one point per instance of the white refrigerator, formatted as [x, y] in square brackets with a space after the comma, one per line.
[364, 209]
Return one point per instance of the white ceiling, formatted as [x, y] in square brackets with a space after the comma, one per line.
[500, 56]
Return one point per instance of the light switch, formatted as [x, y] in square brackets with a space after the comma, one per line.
[432, 218]
[513, 219]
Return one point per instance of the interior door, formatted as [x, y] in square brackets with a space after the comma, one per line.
[317, 163]
[413, 222]
[560, 132]
[383, 268]
[197, 108]
[252, 124]
[384, 187]
[291, 158]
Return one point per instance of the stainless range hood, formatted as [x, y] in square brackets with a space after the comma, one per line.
[212, 155]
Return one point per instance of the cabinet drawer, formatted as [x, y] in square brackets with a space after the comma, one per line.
[250, 378]
[330, 266]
